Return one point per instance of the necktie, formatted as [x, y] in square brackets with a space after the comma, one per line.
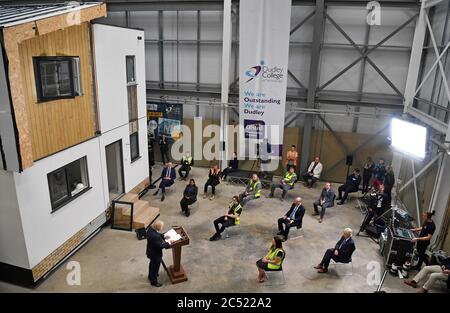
[293, 213]
[168, 172]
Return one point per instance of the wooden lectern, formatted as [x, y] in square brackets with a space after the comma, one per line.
[176, 272]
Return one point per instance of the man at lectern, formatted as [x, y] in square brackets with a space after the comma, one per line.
[155, 245]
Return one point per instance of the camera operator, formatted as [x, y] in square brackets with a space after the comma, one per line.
[378, 204]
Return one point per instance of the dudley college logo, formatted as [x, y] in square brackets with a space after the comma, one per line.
[254, 71]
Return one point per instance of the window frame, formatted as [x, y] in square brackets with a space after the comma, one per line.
[38, 76]
[134, 81]
[138, 153]
[58, 205]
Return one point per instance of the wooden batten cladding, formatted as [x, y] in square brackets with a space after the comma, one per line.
[58, 124]
[51, 126]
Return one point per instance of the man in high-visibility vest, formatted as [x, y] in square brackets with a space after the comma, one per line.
[252, 191]
[230, 218]
[186, 162]
[285, 184]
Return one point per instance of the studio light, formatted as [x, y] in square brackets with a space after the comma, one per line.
[408, 138]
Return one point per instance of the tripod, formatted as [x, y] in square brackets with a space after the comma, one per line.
[257, 162]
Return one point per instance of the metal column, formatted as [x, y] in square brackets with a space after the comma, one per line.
[226, 53]
[313, 80]
[415, 59]
[161, 49]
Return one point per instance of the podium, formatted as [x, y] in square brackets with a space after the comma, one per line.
[176, 272]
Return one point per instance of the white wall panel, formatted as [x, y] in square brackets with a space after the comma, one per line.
[12, 241]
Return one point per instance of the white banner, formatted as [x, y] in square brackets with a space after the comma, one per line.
[264, 27]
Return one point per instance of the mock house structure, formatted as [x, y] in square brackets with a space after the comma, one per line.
[72, 131]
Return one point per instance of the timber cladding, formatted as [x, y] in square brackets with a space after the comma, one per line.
[48, 127]
[58, 124]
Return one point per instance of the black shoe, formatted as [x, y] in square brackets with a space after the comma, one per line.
[187, 213]
[215, 237]
[156, 192]
[155, 284]
[340, 203]
[163, 197]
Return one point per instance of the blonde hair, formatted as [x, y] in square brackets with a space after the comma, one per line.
[348, 231]
[158, 225]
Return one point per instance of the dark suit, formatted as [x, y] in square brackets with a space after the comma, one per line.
[167, 182]
[164, 149]
[345, 250]
[185, 167]
[378, 204]
[351, 185]
[296, 219]
[327, 196]
[155, 245]
[189, 197]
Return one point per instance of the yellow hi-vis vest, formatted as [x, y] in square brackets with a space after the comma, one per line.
[254, 184]
[236, 220]
[288, 176]
[271, 256]
[189, 159]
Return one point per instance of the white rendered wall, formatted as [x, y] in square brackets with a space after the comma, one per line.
[45, 231]
[112, 45]
[12, 241]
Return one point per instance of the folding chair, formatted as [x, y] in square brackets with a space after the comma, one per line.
[349, 265]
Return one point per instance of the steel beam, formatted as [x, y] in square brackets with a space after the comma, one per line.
[295, 79]
[416, 196]
[336, 136]
[226, 53]
[300, 24]
[319, 19]
[364, 55]
[438, 57]
[161, 49]
[367, 53]
[421, 172]
[434, 123]
[361, 76]
[354, 151]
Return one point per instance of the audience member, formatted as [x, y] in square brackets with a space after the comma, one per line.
[326, 200]
[342, 252]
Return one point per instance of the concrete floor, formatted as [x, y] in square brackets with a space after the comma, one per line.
[115, 261]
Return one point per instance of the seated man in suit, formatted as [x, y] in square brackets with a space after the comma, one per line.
[168, 176]
[313, 173]
[186, 162]
[293, 218]
[435, 273]
[326, 200]
[155, 245]
[230, 218]
[252, 191]
[342, 252]
[351, 185]
[287, 183]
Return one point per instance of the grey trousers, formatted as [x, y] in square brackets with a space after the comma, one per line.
[435, 273]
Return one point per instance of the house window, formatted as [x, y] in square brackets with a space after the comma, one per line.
[132, 106]
[57, 77]
[131, 77]
[134, 146]
[68, 182]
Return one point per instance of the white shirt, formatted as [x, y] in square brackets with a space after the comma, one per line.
[317, 170]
